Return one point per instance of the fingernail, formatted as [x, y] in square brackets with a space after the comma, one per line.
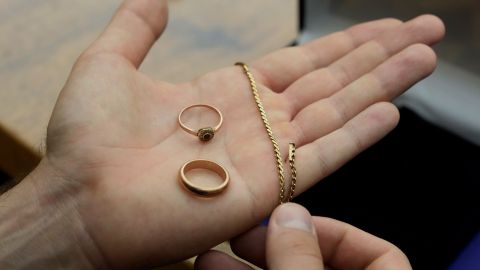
[294, 216]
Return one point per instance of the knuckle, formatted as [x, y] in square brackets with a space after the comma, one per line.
[300, 244]
[424, 55]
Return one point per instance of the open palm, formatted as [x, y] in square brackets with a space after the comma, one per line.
[114, 134]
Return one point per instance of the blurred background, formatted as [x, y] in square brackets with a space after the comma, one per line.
[418, 188]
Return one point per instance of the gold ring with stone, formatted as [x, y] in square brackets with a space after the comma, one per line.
[206, 133]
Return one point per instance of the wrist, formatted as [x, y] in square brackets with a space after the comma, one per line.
[41, 227]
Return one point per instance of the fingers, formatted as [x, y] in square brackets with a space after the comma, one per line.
[321, 83]
[342, 245]
[346, 247]
[291, 240]
[318, 159]
[279, 69]
[133, 30]
[250, 246]
[384, 83]
[213, 260]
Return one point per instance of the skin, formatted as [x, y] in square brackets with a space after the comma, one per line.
[106, 194]
[323, 243]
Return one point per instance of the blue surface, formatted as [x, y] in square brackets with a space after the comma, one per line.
[265, 221]
[469, 259]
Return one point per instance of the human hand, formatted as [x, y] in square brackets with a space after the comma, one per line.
[114, 147]
[296, 240]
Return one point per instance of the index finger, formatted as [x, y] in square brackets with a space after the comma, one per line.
[346, 247]
[343, 247]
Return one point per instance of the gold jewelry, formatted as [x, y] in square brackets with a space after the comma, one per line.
[206, 133]
[293, 169]
[263, 114]
[207, 165]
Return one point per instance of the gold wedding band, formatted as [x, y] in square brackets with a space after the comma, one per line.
[206, 133]
[207, 165]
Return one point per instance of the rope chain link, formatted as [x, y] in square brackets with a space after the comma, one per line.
[276, 149]
[293, 169]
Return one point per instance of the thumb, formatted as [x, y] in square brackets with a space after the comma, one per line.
[291, 240]
[133, 30]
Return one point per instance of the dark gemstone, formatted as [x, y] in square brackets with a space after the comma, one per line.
[205, 134]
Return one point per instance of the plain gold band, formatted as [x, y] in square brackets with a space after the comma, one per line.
[192, 131]
[208, 165]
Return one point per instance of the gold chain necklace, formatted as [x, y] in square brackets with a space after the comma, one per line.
[276, 149]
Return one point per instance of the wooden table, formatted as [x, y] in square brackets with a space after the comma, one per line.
[40, 40]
